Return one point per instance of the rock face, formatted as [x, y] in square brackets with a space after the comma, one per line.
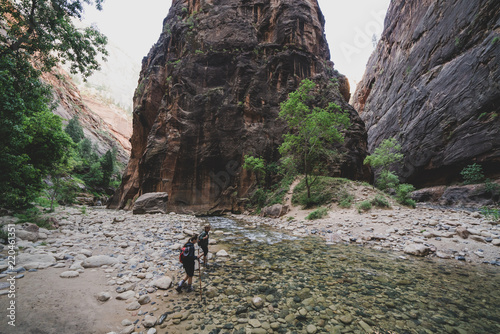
[209, 93]
[433, 83]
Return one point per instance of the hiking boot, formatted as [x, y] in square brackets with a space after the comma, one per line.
[189, 289]
[179, 288]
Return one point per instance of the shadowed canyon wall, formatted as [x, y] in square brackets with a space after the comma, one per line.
[209, 93]
[433, 82]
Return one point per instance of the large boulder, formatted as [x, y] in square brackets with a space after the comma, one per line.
[274, 211]
[432, 83]
[151, 203]
[210, 92]
[35, 261]
[99, 261]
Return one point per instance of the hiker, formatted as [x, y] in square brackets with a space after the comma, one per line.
[203, 242]
[188, 257]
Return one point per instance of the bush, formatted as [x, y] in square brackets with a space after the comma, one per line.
[345, 199]
[380, 201]
[322, 192]
[472, 174]
[403, 194]
[364, 206]
[491, 213]
[317, 214]
[34, 216]
[491, 187]
[387, 180]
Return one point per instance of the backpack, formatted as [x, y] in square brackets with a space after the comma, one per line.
[183, 254]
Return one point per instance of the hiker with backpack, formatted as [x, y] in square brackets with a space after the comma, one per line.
[187, 257]
[203, 243]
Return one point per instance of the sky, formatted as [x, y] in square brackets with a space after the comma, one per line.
[136, 25]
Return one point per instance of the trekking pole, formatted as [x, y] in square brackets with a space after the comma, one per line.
[199, 271]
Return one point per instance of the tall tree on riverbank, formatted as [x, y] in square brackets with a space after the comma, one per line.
[36, 35]
[312, 131]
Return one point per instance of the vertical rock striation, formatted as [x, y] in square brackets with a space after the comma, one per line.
[434, 83]
[209, 93]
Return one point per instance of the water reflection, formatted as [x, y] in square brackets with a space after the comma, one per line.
[342, 289]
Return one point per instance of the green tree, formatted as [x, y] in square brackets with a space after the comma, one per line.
[312, 131]
[383, 158]
[257, 165]
[31, 137]
[107, 163]
[32, 142]
[43, 31]
[75, 130]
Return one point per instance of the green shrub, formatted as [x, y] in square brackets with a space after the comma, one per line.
[403, 193]
[34, 216]
[490, 212]
[364, 206]
[491, 187]
[317, 214]
[380, 201]
[4, 235]
[345, 199]
[472, 174]
[323, 192]
[387, 180]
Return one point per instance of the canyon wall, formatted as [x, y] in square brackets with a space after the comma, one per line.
[209, 93]
[433, 82]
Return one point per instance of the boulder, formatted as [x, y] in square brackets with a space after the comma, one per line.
[162, 283]
[151, 203]
[417, 250]
[99, 261]
[35, 261]
[274, 211]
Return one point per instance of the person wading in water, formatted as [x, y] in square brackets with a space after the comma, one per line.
[188, 257]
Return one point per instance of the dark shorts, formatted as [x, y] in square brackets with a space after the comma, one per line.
[205, 249]
[189, 267]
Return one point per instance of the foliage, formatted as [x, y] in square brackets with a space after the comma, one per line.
[43, 31]
[385, 155]
[403, 193]
[75, 130]
[275, 195]
[345, 199]
[472, 174]
[380, 201]
[311, 130]
[364, 206]
[34, 216]
[491, 188]
[31, 137]
[317, 214]
[257, 165]
[387, 180]
[492, 213]
[107, 163]
[322, 192]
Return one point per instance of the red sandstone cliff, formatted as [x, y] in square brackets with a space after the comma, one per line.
[209, 93]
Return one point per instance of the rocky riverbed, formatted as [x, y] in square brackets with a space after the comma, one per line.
[104, 271]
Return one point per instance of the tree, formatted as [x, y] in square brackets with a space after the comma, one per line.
[43, 31]
[75, 130]
[107, 166]
[32, 142]
[31, 137]
[312, 131]
[257, 165]
[383, 158]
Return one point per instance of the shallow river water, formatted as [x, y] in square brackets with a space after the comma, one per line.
[311, 287]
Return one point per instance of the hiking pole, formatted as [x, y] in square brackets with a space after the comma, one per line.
[199, 271]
